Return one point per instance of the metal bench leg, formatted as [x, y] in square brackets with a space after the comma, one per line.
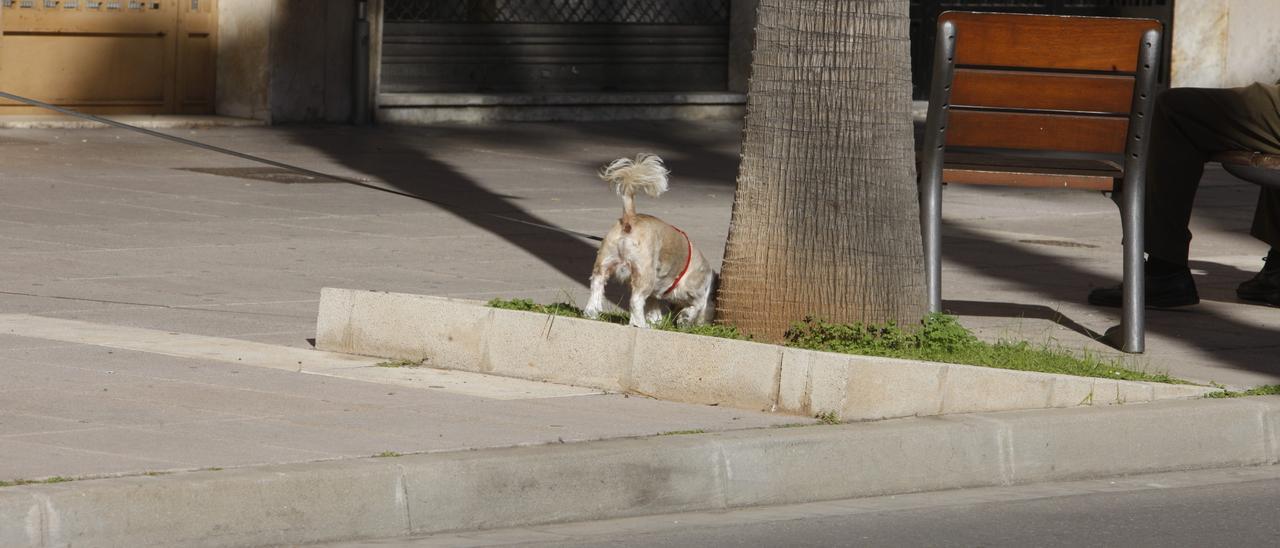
[931, 225]
[931, 162]
[1133, 316]
[1133, 210]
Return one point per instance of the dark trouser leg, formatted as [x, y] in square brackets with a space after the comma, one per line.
[1266, 220]
[1190, 124]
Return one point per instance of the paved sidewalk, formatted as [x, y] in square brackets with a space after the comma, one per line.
[104, 214]
[113, 246]
[112, 228]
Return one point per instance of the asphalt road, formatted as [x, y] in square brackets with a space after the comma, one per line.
[1238, 507]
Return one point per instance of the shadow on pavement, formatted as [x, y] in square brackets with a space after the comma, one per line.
[990, 309]
[685, 147]
[1198, 326]
[395, 159]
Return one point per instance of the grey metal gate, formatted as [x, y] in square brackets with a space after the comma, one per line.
[548, 46]
[924, 24]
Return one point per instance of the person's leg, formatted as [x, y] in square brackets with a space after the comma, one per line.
[1265, 286]
[1191, 124]
[1187, 127]
[1266, 219]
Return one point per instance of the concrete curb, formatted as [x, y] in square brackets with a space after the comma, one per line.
[388, 497]
[435, 108]
[157, 121]
[468, 336]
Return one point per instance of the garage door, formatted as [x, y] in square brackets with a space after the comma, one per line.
[547, 46]
[112, 57]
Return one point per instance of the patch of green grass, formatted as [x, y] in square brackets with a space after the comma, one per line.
[829, 417]
[386, 454]
[666, 324]
[941, 338]
[400, 363]
[1268, 390]
[18, 482]
[557, 309]
[682, 432]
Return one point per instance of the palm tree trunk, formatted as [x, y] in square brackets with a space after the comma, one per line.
[825, 219]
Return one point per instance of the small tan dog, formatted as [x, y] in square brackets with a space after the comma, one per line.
[657, 259]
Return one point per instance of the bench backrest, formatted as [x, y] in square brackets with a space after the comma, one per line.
[1044, 83]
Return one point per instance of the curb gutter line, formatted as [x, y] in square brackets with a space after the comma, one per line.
[470, 490]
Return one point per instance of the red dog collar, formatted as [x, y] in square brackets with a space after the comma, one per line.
[687, 259]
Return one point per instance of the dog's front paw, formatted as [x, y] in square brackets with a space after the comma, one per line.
[591, 313]
[638, 321]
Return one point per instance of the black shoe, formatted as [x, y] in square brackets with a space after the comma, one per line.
[1264, 287]
[1163, 291]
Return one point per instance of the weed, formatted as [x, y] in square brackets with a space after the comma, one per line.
[828, 417]
[20, 482]
[682, 432]
[400, 363]
[386, 454]
[1268, 390]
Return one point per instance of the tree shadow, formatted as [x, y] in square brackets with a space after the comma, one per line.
[392, 157]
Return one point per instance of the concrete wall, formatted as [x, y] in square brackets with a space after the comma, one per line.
[311, 60]
[1225, 43]
[244, 31]
[286, 60]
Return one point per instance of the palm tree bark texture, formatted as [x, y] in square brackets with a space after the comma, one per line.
[826, 219]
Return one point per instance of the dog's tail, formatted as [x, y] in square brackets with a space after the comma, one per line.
[644, 174]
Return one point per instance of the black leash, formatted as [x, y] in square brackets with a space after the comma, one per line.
[282, 165]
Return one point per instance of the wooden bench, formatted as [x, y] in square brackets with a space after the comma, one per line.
[1255, 167]
[1042, 101]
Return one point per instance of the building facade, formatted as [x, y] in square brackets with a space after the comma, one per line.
[426, 61]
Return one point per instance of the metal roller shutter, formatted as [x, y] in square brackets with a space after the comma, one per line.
[549, 46]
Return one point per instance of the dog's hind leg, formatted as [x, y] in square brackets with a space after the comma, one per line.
[638, 316]
[641, 292]
[599, 277]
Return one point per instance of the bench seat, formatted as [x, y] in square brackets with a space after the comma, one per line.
[1255, 167]
[1031, 171]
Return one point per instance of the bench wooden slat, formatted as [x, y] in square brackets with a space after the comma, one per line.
[1042, 91]
[1030, 171]
[991, 175]
[1068, 43]
[1033, 162]
[1029, 131]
